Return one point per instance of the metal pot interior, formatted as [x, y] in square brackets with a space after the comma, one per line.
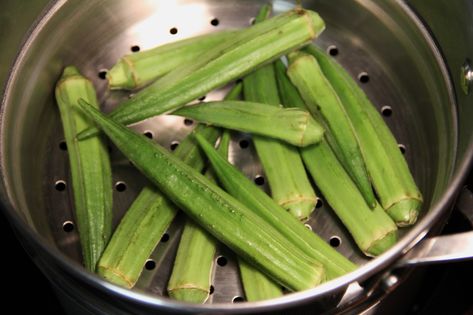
[378, 42]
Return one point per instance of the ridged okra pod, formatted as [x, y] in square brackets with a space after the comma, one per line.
[373, 231]
[291, 125]
[192, 271]
[323, 102]
[191, 275]
[91, 175]
[217, 212]
[232, 59]
[239, 186]
[389, 172]
[256, 285]
[146, 220]
[138, 69]
[282, 164]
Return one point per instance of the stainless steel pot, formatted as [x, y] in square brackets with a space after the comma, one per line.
[405, 58]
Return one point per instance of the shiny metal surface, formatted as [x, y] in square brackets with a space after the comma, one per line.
[466, 77]
[441, 249]
[380, 38]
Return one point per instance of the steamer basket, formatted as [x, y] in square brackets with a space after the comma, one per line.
[381, 43]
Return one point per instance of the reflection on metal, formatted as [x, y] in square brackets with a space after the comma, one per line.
[441, 249]
[466, 77]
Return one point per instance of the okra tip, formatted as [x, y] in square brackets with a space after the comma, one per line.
[189, 294]
[405, 212]
[120, 76]
[381, 245]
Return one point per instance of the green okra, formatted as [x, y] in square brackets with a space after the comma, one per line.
[249, 48]
[282, 164]
[256, 285]
[137, 70]
[288, 93]
[191, 275]
[388, 170]
[89, 161]
[221, 215]
[293, 230]
[146, 220]
[192, 271]
[372, 229]
[292, 125]
[323, 102]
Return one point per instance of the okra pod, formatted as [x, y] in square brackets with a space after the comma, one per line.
[217, 212]
[138, 69]
[292, 125]
[282, 164]
[388, 170]
[323, 102]
[372, 229]
[191, 275]
[230, 60]
[256, 285]
[192, 270]
[146, 220]
[293, 230]
[90, 168]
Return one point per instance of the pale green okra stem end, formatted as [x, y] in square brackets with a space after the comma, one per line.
[115, 277]
[381, 245]
[187, 294]
[301, 209]
[405, 212]
[120, 76]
